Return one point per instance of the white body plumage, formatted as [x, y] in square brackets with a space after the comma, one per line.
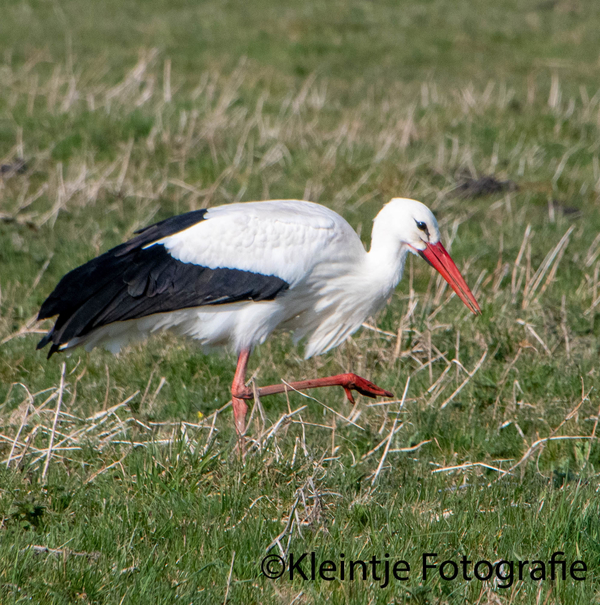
[334, 284]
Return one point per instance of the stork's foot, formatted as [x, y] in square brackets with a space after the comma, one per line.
[363, 386]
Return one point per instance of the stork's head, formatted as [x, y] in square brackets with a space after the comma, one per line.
[416, 227]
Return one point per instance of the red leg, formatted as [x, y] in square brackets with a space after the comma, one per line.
[348, 382]
[240, 392]
[240, 408]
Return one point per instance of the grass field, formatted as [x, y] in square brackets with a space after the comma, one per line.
[119, 482]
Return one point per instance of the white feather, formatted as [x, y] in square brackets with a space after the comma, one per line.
[285, 238]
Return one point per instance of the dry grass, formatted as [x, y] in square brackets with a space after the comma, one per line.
[499, 408]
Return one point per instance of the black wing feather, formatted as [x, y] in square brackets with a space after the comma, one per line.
[133, 281]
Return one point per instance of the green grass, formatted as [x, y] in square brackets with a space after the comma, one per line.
[130, 112]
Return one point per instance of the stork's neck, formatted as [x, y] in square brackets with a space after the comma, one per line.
[385, 260]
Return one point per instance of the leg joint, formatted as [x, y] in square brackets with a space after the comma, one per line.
[241, 392]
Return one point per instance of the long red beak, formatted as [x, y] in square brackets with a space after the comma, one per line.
[440, 260]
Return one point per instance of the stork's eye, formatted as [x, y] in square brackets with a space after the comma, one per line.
[422, 226]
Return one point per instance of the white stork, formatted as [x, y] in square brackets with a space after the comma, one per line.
[231, 275]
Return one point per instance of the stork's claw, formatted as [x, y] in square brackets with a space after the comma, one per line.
[349, 395]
